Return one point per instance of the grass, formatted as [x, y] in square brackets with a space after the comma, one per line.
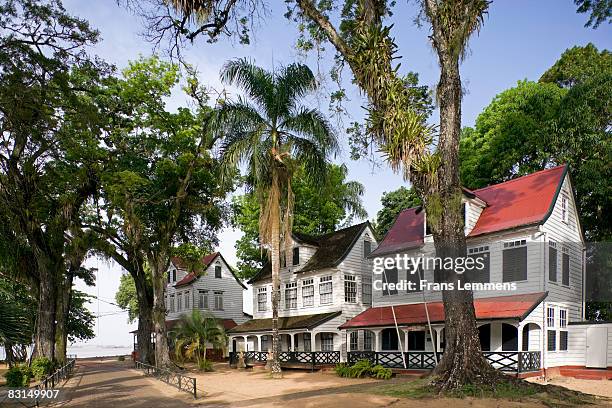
[548, 395]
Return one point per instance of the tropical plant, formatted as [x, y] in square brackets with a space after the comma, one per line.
[319, 209]
[273, 135]
[194, 332]
[363, 368]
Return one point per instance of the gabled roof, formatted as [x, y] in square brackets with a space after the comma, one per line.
[331, 250]
[500, 307]
[285, 323]
[523, 201]
[206, 262]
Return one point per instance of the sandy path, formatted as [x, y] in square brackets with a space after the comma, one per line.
[114, 384]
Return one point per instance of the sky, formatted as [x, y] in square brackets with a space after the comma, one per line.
[520, 39]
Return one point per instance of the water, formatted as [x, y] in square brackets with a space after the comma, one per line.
[96, 350]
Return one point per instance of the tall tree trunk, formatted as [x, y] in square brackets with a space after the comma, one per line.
[158, 264]
[145, 318]
[62, 313]
[10, 358]
[462, 362]
[45, 329]
[275, 367]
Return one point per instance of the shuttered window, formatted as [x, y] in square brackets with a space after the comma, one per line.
[296, 256]
[367, 248]
[552, 340]
[565, 270]
[480, 255]
[552, 263]
[389, 276]
[515, 261]
[415, 278]
[563, 339]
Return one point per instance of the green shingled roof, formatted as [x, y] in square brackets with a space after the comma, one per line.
[285, 323]
[332, 248]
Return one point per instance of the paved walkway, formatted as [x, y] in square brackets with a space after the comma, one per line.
[114, 384]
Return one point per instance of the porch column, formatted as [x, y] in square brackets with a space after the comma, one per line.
[406, 340]
[259, 342]
[438, 334]
[377, 340]
[245, 343]
[231, 343]
[519, 333]
[293, 343]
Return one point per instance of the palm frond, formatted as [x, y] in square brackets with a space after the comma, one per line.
[255, 81]
[312, 124]
[294, 82]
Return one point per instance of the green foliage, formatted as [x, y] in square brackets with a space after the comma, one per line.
[206, 366]
[194, 332]
[81, 321]
[600, 11]
[126, 296]
[41, 367]
[319, 209]
[363, 368]
[18, 376]
[564, 118]
[393, 202]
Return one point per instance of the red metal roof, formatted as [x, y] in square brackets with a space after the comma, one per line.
[501, 307]
[522, 201]
[191, 276]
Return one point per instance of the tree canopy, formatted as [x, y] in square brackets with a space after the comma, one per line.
[563, 118]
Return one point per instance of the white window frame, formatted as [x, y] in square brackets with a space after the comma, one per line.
[291, 295]
[550, 316]
[565, 208]
[179, 301]
[327, 342]
[562, 318]
[350, 288]
[308, 300]
[172, 310]
[218, 299]
[203, 299]
[354, 341]
[366, 291]
[187, 302]
[326, 282]
[262, 293]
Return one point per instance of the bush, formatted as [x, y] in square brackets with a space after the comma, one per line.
[206, 365]
[41, 367]
[18, 376]
[363, 368]
[121, 358]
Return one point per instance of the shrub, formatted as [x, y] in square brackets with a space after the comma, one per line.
[41, 367]
[206, 365]
[363, 368]
[18, 376]
[121, 358]
[380, 372]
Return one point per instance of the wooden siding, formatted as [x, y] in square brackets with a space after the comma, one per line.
[354, 264]
[232, 293]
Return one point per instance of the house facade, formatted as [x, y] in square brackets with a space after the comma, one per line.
[325, 281]
[529, 300]
[216, 291]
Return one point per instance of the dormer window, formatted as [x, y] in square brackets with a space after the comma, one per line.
[296, 256]
[564, 208]
[174, 275]
[218, 270]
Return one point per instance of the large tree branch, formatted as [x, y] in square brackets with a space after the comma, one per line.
[311, 11]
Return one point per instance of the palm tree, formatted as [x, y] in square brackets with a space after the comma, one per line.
[271, 133]
[194, 332]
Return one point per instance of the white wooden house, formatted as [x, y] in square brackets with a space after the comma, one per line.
[216, 291]
[528, 234]
[325, 281]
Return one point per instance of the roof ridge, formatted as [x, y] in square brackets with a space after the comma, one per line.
[520, 178]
